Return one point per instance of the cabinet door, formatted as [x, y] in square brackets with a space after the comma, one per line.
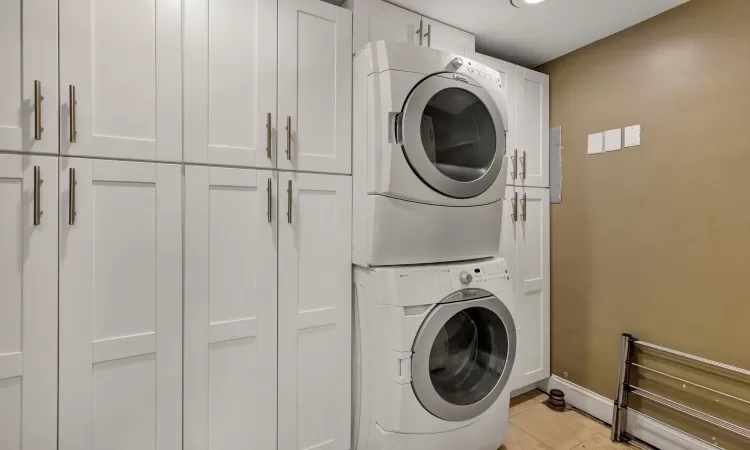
[28, 303]
[124, 59]
[532, 125]
[230, 82]
[315, 295]
[532, 293]
[28, 30]
[315, 87]
[444, 37]
[508, 79]
[120, 305]
[230, 308]
[376, 20]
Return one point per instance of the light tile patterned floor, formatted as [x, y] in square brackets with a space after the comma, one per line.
[533, 426]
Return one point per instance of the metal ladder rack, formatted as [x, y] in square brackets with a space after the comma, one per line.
[624, 389]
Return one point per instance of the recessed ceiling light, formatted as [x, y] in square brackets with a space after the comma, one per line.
[522, 3]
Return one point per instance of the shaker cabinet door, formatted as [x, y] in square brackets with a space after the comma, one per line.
[315, 87]
[532, 128]
[120, 305]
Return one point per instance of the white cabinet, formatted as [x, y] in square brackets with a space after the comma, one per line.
[376, 20]
[532, 128]
[124, 60]
[230, 82]
[28, 76]
[315, 296]
[525, 244]
[120, 297]
[230, 308]
[444, 37]
[315, 87]
[28, 302]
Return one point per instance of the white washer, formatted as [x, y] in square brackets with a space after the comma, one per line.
[429, 156]
[434, 348]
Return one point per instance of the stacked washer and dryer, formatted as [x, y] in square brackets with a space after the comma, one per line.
[435, 334]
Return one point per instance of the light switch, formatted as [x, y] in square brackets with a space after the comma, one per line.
[632, 136]
[613, 140]
[596, 143]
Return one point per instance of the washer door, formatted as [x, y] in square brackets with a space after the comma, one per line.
[463, 357]
[453, 135]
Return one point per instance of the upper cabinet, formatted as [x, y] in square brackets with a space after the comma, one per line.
[230, 82]
[28, 76]
[121, 79]
[376, 20]
[315, 87]
[532, 128]
[444, 37]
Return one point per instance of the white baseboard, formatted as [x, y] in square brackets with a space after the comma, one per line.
[643, 427]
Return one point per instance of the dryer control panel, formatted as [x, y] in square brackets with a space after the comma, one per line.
[492, 276]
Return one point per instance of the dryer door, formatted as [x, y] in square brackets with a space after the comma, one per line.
[453, 135]
[463, 357]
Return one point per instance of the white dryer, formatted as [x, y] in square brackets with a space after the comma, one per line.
[429, 156]
[434, 348]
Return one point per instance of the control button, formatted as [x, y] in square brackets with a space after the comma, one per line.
[466, 277]
[457, 62]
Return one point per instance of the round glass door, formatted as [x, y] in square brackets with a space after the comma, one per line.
[453, 136]
[463, 358]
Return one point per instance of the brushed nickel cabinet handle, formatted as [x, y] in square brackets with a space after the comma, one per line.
[419, 31]
[514, 202]
[289, 202]
[270, 200]
[37, 195]
[72, 196]
[268, 135]
[429, 35]
[523, 207]
[289, 138]
[38, 110]
[514, 158]
[73, 121]
[523, 165]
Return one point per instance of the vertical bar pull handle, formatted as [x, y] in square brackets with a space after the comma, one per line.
[523, 207]
[514, 202]
[514, 158]
[289, 202]
[269, 190]
[419, 31]
[37, 195]
[268, 135]
[38, 111]
[73, 121]
[72, 196]
[429, 35]
[289, 138]
[523, 165]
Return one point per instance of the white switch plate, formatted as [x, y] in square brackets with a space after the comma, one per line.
[613, 140]
[632, 136]
[596, 143]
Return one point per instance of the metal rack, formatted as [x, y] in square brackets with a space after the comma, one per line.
[625, 389]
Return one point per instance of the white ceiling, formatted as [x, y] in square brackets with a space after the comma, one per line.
[538, 33]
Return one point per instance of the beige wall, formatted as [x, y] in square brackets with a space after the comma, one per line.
[655, 240]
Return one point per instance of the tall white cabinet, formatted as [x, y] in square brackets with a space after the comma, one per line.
[28, 302]
[376, 20]
[524, 241]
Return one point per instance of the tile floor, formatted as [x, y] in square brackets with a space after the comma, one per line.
[533, 426]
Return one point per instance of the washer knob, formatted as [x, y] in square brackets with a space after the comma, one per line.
[466, 277]
[457, 62]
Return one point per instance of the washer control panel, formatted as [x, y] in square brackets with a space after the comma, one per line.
[491, 275]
